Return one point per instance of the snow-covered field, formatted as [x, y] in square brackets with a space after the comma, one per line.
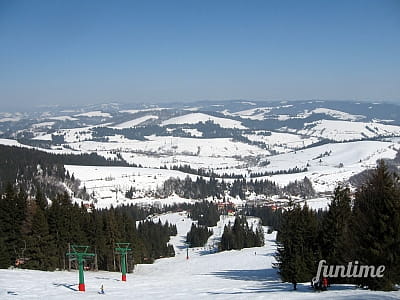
[136, 122]
[109, 184]
[92, 114]
[330, 164]
[165, 150]
[346, 130]
[195, 118]
[244, 274]
[283, 142]
[270, 150]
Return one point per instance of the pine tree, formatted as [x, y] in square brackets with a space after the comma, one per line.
[335, 236]
[12, 215]
[4, 255]
[297, 252]
[227, 239]
[41, 199]
[376, 225]
[41, 246]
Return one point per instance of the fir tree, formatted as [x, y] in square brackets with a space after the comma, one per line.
[40, 245]
[297, 252]
[12, 216]
[376, 225]
[335, 236]
[4, 255]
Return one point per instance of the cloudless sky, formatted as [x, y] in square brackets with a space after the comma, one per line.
[54, 52]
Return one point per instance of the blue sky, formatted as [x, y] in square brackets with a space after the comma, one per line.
[54, 52]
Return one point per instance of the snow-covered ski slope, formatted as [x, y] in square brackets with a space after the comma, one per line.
[244, 274]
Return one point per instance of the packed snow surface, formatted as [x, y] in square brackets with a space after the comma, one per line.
[244, 274]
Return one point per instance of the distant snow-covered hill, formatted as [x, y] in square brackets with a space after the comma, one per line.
[327, 141]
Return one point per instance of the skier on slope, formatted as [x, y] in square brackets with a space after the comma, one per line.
[324, 283]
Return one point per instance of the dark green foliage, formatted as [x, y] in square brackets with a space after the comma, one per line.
[155, 237]
[240, 236]
[298, 252]
[288, 171]
[269, 216]
[205, 212]
[202, 188]
[38, 234]
[134, 133]
[129, 193]
[189, 189]
[301, 188]
[335, 241]
[203, 172]
[12, 215]
[4, 255]
[376, 227]
[198, 235]
[40, 244]
[32, 169]
[368, 232]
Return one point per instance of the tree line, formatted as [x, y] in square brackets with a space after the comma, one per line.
[36, 235]
[202, 188]
[198, 235]
[269, 216]
[363, 227]
[279, 172]
[240, 235]
[201, 172]
[205, 213]
[29, 166]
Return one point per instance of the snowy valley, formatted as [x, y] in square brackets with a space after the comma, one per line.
[328, 142]
[241, 156]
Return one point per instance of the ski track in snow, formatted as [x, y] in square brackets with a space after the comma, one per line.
[244, 274]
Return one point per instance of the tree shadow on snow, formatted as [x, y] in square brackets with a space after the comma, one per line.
[207, 251]
[182, 246]
[104, 278]
[66, 285]
[250, 275]
[268, 278]
[270, 283]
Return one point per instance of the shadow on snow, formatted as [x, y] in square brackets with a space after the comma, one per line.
[66, 285]
[270, 283]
